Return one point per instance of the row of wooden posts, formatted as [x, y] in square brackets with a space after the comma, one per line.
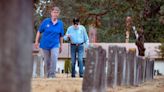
[116, 68]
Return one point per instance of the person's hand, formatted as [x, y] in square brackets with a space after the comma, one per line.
[68, 35]
[86, 50]
[36, 45]
[60, 49]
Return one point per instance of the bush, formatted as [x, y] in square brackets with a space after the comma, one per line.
[67, 66]
[161, 48]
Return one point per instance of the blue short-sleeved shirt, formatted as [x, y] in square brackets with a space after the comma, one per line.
[51, 33]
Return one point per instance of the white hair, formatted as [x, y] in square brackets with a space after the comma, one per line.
[55, 8]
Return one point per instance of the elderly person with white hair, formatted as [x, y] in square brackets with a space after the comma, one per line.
[51, 41]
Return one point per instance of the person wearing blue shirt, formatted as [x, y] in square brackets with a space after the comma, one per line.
[78, 37]
[51, 31]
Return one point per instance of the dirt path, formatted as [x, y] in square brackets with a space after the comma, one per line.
[64, 84]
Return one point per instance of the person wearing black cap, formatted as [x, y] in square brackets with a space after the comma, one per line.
[78, 37]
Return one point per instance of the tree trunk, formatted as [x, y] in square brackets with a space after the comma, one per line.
[15, 45]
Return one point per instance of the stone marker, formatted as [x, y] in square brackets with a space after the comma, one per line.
[100, 80]
[94, 77]
[131, 65]
[121, 65]
[123, 68]
[112, 66]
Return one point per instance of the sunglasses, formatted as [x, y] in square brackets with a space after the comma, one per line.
[75, 23]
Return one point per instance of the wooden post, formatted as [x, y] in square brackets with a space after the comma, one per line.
[15, 45]
[128, 28]
[92, 34]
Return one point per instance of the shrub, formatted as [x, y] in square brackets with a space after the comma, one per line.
[67, 66]
[161, 48]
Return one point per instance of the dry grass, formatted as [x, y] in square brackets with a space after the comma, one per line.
[61, 83]
[156, 85]
[67, 84]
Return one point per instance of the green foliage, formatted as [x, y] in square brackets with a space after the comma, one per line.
[161, 48]
[109, 16]
[67, 66]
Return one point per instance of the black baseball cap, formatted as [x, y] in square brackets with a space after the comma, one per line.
[75, 20]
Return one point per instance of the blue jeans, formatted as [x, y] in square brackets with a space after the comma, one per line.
[77, 50]
[51, 58]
